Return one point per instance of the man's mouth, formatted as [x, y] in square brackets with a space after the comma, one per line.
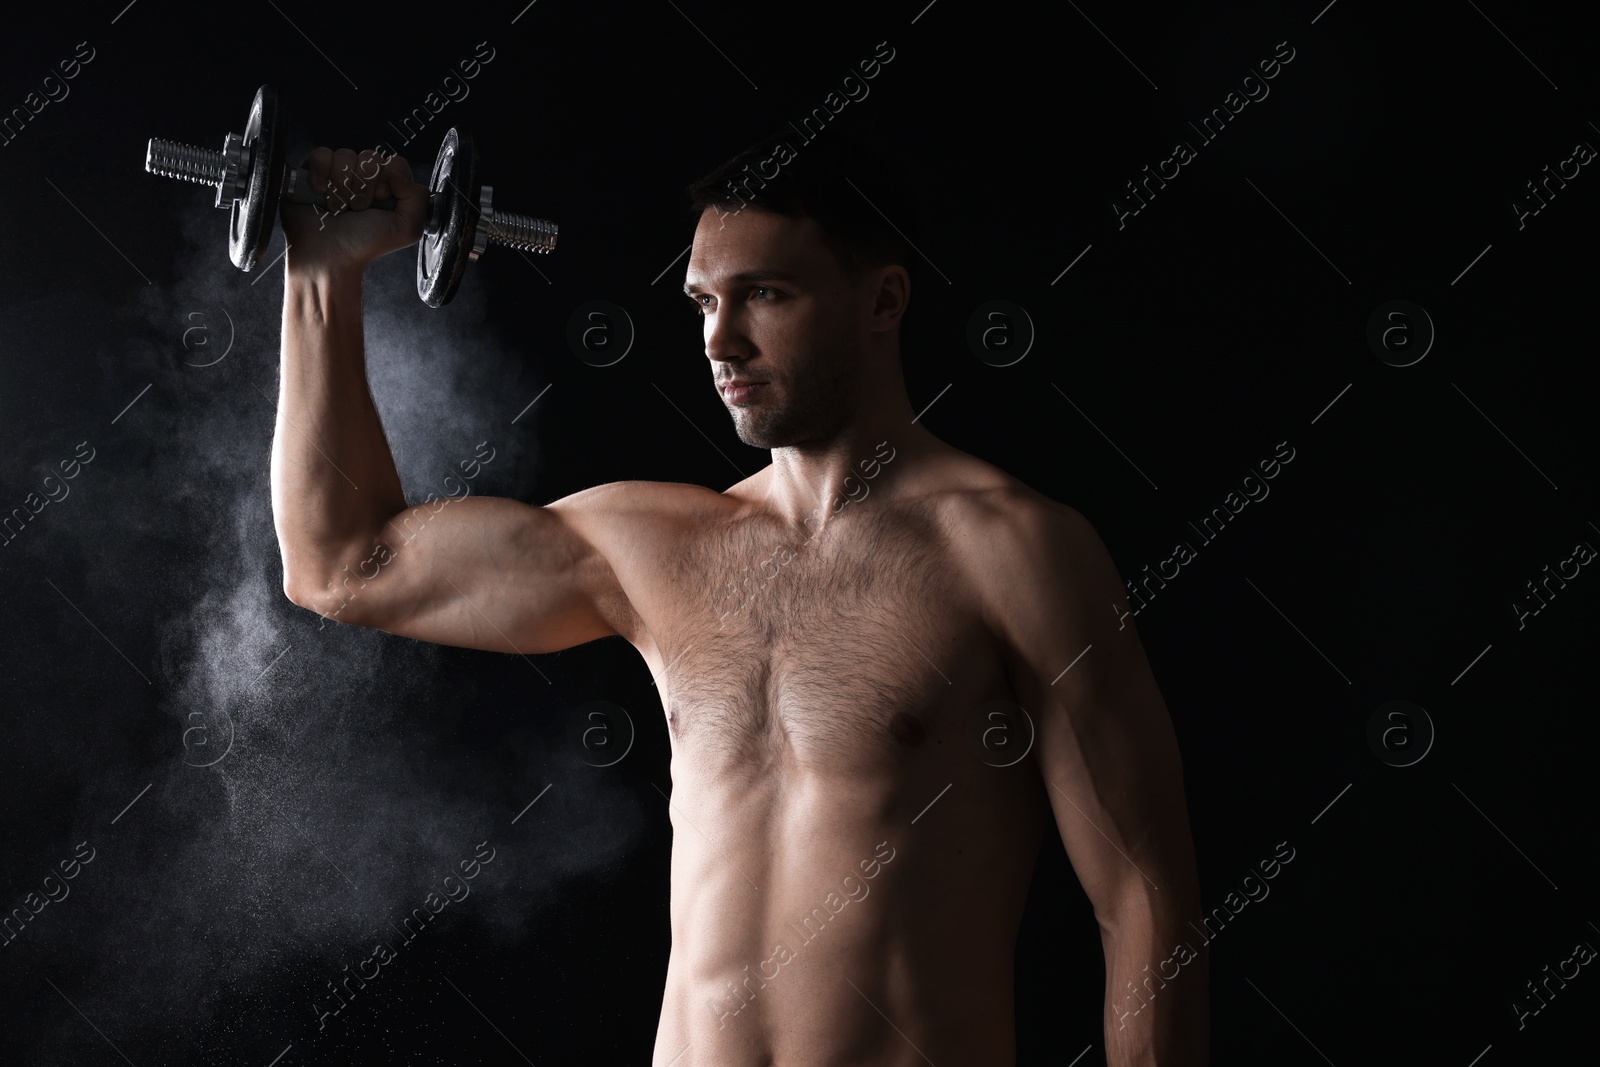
[736, 390]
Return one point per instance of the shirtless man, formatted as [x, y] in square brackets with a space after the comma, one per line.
[828, 636]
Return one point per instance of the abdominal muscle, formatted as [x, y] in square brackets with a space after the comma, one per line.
[813, 923]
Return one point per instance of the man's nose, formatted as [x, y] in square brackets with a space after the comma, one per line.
[725, 338]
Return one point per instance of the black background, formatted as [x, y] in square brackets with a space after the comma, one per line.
[1229, 315]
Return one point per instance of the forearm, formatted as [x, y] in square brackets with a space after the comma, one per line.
[1157, 1010]
[334, 483]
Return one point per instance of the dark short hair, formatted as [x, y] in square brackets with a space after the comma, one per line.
[859, 196]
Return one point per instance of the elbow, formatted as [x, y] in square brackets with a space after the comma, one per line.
[298, 592]
[1136, 910]
[291, 586]
[338, 598]
[310, 594]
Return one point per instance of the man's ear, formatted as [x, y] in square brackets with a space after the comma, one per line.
[892, 292]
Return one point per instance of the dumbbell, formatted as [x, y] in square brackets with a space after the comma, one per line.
[252, 177]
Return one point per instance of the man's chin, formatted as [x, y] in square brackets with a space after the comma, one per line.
[757, 438]
[758, 442]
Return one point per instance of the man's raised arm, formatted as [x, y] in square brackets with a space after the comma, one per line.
[1111, 767]
[478, 572]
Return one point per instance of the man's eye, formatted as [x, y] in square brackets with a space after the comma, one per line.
[764, 293]
[702, 303]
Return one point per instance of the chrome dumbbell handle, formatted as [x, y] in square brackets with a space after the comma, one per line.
[509, 230]
[203, 166]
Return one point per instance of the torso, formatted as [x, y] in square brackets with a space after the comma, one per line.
[843, 859]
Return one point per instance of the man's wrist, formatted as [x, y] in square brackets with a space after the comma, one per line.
[319, 287]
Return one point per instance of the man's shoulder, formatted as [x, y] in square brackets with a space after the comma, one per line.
[1019, 547]
[993, 512]
[620, 518]
[640, 499]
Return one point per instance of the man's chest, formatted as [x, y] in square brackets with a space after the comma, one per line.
[861, 645]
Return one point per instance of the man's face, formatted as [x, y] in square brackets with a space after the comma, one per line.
[779, 310]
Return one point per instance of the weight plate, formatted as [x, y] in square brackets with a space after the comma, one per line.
[443, 252]
[250, 220]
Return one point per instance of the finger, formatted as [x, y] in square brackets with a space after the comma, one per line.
[410, 196]
[363, 181]
[317, 165]
[394, 166]
[395, 176]
[342, 180]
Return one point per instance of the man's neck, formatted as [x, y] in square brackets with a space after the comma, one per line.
[810, 486]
